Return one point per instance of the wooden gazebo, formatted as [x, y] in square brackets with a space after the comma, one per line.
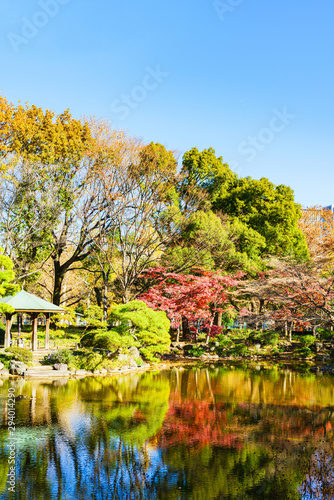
[24, 302]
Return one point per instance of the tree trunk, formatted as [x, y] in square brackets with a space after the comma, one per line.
[185, 328]
[105, 301]
[58, 282]
[98, 295]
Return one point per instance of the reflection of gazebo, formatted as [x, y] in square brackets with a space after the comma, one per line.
[24, 302]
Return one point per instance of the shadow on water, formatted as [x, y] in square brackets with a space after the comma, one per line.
[194, 433]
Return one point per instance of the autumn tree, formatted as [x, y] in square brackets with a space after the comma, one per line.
[146, 215]
[317, 224]
[41, 211]
[294, 293]
[192, 297]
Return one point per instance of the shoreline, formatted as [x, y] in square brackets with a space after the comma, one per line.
[288, 362]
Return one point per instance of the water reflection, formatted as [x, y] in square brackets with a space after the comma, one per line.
[193, 433]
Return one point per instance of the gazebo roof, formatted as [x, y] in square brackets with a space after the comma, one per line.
[26, 302]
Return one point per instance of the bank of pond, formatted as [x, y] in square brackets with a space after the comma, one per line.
[200, 431]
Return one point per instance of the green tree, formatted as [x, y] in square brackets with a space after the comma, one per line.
[212, 241]
[269, 210]
[149, 329]
[265, 215]
[7, 288]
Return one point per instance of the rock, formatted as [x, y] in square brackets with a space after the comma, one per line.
[1, 366]
[204, 356]
[17, 367]
[4, 372]
[317, 347]
[104, 371]
[132, 363]
[81, 372]
[62, 367]
[134, 352]
[123, 357]
[96, 372]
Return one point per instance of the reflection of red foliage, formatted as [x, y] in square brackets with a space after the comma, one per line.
[197, 423]
[138, 416]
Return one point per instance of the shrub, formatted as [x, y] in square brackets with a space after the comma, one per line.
[265, 338]
[88, 339]
[108, 340]
[325, 335]
[87, 360]
[303, 352]
[270, 338]
[238, 350]
[20, 354]
[307, 340]
[239, 334]
[196, 351]
[63, 356]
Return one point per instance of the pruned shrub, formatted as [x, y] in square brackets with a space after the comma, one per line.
[307, 340]
[62, 356]
[143, 327]
[20, 354]
[267, 338]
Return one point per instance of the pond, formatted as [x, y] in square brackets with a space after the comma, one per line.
[218, 432]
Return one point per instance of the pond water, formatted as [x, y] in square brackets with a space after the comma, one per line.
[183, 433]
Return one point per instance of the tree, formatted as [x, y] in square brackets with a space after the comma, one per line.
[148, 328]
[7, 288]
[144, 213]
[47, 205]
[213, 241]
[290, 292]
[195, 298]
[263, 207]
[317, 224]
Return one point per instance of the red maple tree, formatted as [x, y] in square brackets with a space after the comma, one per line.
[194, 297]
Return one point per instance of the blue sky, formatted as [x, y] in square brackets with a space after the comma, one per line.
[251, 78]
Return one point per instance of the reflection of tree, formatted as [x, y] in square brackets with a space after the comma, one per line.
[319, 481]
[198, 433]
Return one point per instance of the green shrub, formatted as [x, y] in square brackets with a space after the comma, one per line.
[105, 340]
[303, 352]
[325, 335]
[87, 360]
[108, 340]
[239, 333]
[20, 354]
[307, 340]
[265, 338]
[196, 351]
[5, 359]
[238, 350]
[62, 356]
[88, 339]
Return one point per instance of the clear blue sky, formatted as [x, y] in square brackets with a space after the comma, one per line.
[253, 79]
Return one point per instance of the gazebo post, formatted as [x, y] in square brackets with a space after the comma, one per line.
[34, 317]
[47, 331]
[8, 327]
